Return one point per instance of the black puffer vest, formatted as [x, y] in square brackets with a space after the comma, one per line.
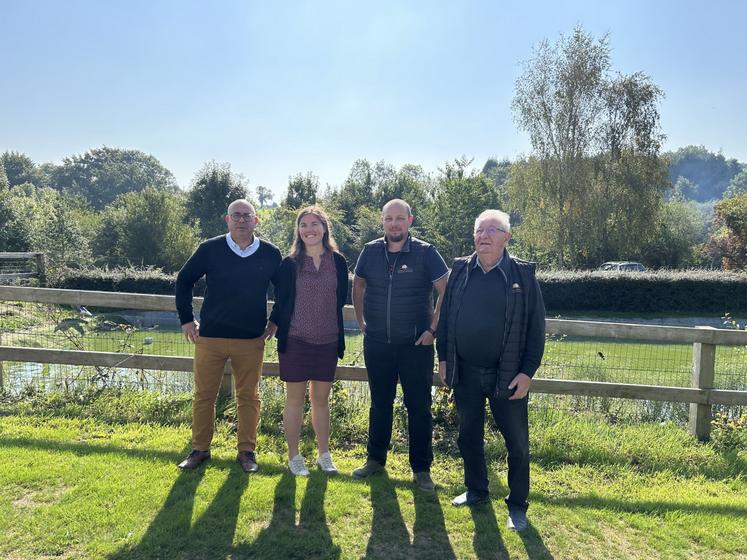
[398, 302]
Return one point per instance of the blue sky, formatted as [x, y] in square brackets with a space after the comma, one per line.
[287, 87]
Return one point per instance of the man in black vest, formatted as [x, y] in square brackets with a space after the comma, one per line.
[491, 338]
[393, 299]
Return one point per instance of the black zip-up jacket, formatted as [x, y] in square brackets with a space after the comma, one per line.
[285, 300]
[523, 341]
[398, 301]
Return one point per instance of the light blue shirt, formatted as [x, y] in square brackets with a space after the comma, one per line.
[243, 253]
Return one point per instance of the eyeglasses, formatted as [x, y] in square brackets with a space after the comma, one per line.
[237, 216]
[491, 231]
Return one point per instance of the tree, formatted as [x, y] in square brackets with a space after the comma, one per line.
[630, 177]
[730, 238]
[213, 188]
[684, 188]
[410, 183]
[20, 169]
[54, 220]
[278, 226]
[4, 184]
[461, 195]
[710, 173]
[302, 190]
[737, 185]
[356, 192]
[15, 233]
[498, 172]
[679, 230]
[102, 174]
[557, 101]
[595, 173]
[146, 228]
[264, 195]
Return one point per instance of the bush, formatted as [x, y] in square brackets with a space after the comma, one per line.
[127, 279]
[691, 291]
[729, 434]
[115, 406]
[708, 291]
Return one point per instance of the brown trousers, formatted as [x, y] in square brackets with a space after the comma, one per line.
[246, 357]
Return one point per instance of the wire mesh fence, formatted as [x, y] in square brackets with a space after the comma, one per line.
[132, 332]
[21, 268]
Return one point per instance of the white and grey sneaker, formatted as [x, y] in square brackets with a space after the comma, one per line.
[297, 466]
[324, 462]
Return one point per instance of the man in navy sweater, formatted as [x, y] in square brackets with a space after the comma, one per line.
[238, 268]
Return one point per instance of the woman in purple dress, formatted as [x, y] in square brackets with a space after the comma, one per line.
[311, 291]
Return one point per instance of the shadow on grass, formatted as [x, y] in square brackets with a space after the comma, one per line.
[646, 507]
[96, 448]
[174, 518]
[282, 538]
[534, 545]
[553, 455]
[171, 534]
[390, 538]
[487, 541]
[92, 448]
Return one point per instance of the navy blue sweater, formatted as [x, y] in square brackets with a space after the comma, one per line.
[235, 303]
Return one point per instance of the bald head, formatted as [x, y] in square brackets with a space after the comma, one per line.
[396, 217]
[401, 204]
[241, 205]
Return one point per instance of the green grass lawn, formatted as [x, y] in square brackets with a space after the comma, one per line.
[80, 488]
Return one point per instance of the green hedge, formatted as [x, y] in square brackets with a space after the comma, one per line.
[129, 280]
[692, 291]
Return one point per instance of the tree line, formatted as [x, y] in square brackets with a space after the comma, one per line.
[595, 187]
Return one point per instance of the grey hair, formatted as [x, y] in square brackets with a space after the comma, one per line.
[239, 201]
[502, 218]
[397, 201]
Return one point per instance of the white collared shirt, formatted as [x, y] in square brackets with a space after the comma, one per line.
[478, 263]
[243, 253]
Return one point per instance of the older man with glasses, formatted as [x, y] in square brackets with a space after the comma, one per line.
[238, 268]
[491, 338]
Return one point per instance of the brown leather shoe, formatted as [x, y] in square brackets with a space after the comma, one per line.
[194, 459]
[248, 461]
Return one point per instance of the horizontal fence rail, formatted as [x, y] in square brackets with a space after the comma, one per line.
[9, 259]
[701, 395]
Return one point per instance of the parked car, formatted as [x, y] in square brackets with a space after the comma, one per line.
[622, 266]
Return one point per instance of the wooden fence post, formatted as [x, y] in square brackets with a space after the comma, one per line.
[227, 384]
[41, 270]
[2, 381]
[704, 367]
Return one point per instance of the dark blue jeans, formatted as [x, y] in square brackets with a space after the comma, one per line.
[413, 366]
[512, 421]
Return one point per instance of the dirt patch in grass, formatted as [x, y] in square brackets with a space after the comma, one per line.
[35, 497]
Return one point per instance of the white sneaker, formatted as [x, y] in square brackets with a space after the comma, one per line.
[324, 462]
[297, 466]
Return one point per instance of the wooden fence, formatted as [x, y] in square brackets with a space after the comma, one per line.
[18, 260]
[701, 394]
